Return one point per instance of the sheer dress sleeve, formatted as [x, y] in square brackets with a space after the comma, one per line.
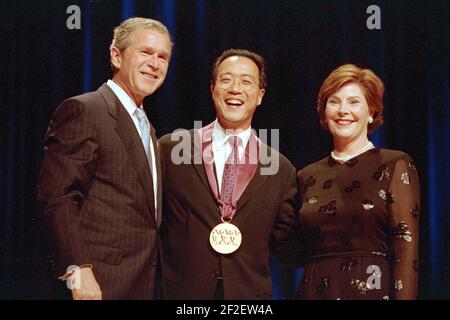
[404, 209]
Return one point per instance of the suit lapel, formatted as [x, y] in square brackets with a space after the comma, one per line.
[158, 173]
[196, 156]
[132, 142]
[256, 183]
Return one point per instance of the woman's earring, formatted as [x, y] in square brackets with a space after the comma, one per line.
[370, 119]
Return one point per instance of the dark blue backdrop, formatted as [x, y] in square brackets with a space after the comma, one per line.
[43, 62]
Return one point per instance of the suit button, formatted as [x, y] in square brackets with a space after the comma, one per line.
[152, 262]
[216, 274]
[51, 263]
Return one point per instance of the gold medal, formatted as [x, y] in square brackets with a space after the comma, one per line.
[225, 238]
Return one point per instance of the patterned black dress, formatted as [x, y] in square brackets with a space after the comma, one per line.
[360, 225]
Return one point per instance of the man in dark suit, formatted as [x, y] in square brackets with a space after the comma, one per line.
[100, 185]
[229, 198]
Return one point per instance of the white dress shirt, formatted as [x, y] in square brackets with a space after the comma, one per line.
[222, 148]
[130, 106]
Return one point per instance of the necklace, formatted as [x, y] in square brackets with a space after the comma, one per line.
[350, 156]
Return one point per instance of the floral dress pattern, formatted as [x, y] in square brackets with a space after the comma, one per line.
[359, 225]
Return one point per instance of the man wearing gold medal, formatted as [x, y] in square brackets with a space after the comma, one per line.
[232, 201]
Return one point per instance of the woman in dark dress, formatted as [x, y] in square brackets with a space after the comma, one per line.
[360, 205]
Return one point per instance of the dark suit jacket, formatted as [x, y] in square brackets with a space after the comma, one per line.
[266, 216]
[96, 192]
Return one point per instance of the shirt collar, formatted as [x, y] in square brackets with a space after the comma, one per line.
[220, 136]
[124, 98]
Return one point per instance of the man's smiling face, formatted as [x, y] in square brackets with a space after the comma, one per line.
[236, 92]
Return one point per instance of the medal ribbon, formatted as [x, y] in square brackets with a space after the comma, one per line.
[235, 178]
